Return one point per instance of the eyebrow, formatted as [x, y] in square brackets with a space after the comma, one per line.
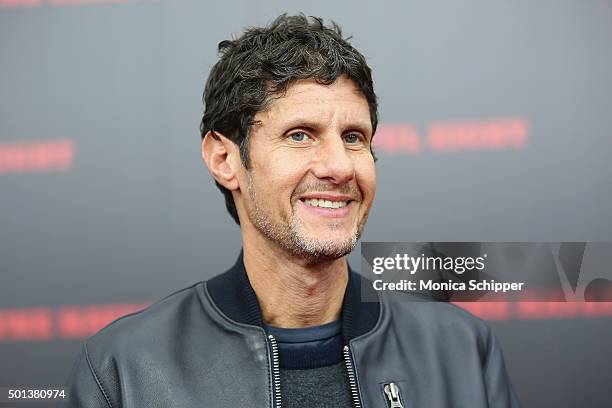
[313, 125]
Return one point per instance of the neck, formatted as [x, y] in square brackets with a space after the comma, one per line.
[292, 292]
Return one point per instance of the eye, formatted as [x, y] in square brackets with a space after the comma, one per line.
[299, 137]
[352, 138]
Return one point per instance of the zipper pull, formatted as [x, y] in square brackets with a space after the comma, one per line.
[392, 392]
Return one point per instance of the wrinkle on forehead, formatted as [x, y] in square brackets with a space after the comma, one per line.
[309, 99]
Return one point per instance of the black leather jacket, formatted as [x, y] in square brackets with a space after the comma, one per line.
[204, 347]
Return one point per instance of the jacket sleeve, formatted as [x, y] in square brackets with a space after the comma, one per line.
[84, 387]
[500, 392]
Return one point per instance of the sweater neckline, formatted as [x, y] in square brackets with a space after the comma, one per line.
[233, 294]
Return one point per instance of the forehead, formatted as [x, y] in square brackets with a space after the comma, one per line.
[341, 103]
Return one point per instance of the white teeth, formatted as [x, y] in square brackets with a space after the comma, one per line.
[326, 203]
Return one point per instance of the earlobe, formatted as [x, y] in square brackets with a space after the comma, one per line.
[218, 155]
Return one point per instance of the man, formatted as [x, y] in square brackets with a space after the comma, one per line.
[287, 131]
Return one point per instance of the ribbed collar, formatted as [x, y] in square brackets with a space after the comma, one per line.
[233, 294]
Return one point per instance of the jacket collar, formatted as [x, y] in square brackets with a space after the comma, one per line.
[233, 294]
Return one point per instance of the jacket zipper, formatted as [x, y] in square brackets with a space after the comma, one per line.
[392, 392]
[276, 393]
[276, 396]
[352, 377]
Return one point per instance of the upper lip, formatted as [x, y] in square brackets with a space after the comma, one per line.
[326, 196]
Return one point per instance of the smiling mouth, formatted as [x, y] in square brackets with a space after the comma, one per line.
[330, 204]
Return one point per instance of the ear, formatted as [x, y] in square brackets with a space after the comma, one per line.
[222, 157]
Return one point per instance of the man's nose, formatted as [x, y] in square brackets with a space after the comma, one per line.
[333, 162]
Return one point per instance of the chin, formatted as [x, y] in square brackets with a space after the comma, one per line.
[331, 238]
[317, 249]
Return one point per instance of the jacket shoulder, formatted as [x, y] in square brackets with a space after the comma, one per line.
[145, 327]
[437, 318]
[126, 344]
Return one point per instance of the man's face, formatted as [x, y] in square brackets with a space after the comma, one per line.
[312, 178]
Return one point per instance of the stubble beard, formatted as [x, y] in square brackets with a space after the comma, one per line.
[290, 235]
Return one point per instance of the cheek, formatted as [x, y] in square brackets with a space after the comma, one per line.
[280, 176]
[366, 179]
